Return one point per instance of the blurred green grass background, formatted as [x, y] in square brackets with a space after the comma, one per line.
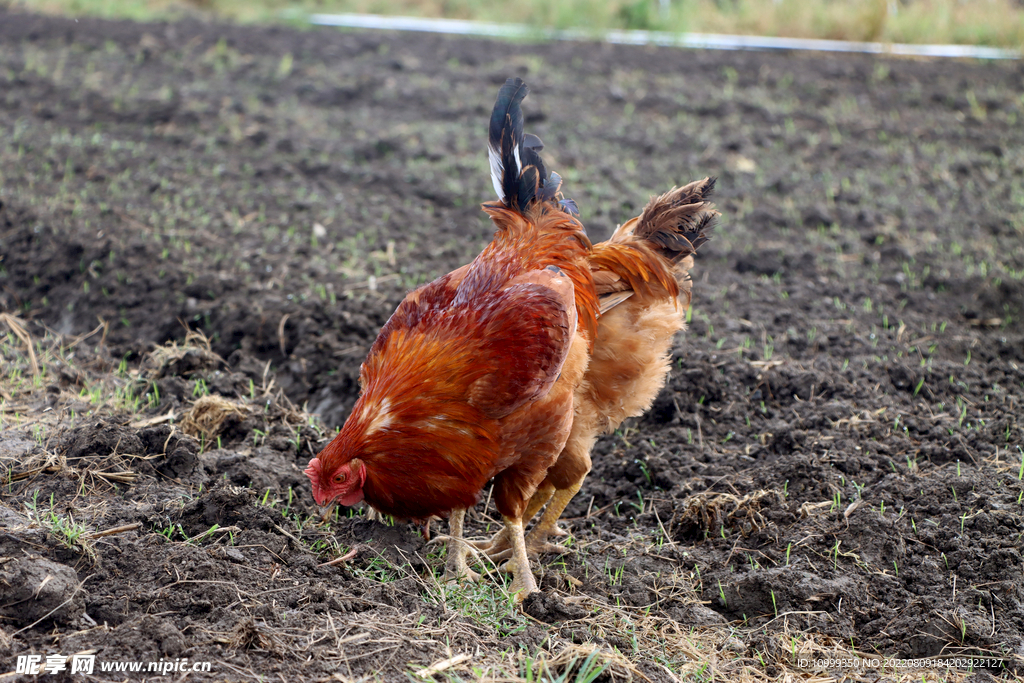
[979, 22]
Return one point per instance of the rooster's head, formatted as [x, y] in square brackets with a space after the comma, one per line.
[342, 484]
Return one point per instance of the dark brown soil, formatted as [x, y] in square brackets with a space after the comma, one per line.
[836, 459]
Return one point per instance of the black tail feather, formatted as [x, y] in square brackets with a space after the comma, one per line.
[531, 141]
[552, 185]
[517, 170]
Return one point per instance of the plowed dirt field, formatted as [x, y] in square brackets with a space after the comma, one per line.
[204, 226]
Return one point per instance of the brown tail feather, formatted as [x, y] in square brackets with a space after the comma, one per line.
[677, 222]
[650, 254]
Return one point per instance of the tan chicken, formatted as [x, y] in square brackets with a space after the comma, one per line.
[642, 278]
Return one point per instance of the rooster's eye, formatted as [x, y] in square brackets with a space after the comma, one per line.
[340, 478]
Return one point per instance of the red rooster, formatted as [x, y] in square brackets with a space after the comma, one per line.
[473, 376]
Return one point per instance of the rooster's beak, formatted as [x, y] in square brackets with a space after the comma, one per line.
[326, 510]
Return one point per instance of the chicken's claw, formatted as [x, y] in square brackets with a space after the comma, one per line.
[557, 531]
[499, 547]
[457, 569]
[502, 556]
[535, 547]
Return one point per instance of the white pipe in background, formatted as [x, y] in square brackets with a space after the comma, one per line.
[708, 41]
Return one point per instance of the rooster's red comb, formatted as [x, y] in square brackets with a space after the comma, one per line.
[314, 471]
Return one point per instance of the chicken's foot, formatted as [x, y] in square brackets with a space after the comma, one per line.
[523, 582]
[499, 547]
[456, 566]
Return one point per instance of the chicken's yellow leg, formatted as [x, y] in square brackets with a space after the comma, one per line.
[537, 541]
[456, 567]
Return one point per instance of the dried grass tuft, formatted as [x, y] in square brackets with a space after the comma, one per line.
[249, 635]
[184, 359]
[708, 512]
[17, 468]
[207, 415]
[575, 657]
